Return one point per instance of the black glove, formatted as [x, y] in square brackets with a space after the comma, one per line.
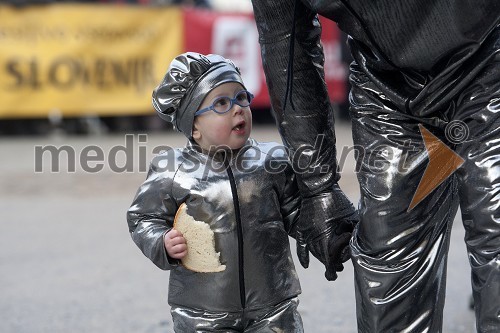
[325, 227]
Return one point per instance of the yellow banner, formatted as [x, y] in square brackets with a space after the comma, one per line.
[84, 59]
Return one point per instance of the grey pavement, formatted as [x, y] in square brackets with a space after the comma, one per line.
[67, 263]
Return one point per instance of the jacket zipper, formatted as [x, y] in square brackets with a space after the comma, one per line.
[240, 234]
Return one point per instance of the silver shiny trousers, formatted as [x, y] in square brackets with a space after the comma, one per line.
[400, 255]
[282, 317]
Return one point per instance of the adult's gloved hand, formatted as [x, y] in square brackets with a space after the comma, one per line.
[325, 228]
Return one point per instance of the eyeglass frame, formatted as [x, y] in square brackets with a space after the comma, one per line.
[232, 101]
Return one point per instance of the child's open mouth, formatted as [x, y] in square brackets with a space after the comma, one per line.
[240, 127]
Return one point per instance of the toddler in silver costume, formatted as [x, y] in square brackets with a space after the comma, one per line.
[245, 190]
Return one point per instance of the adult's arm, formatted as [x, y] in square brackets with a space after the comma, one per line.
[306, 124]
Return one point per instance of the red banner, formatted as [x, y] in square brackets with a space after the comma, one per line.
[235, 37]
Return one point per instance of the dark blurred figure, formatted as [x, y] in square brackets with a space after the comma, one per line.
[24, 127]
[194, 3]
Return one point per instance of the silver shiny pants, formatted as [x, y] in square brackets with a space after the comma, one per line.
[282, 317]
[400, 256]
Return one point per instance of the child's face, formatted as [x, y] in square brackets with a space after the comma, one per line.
[231, 129]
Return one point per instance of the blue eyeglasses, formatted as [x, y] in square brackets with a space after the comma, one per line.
[223, 104]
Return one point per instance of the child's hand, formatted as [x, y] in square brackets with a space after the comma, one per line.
[175, 244]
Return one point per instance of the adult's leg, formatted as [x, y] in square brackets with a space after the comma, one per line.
[399, 256]
[478, 108]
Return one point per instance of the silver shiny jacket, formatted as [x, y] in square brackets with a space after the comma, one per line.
[251, 202]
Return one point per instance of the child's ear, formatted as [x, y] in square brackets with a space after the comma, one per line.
[196, 132]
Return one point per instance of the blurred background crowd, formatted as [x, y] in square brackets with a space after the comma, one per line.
[92, 120]
[220, 5]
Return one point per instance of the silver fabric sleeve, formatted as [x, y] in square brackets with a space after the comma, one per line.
[293, 65]
[148, 219]
[307, 121]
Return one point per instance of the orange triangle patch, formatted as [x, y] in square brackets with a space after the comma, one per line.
[443, 162]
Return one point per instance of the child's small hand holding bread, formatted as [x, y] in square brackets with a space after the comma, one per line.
[193, 243]
[175, 244]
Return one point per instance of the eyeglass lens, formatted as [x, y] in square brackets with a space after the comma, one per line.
[224, 104]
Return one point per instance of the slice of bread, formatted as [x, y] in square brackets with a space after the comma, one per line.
[201, 256]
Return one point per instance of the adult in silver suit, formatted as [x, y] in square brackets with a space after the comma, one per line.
[416, 63]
